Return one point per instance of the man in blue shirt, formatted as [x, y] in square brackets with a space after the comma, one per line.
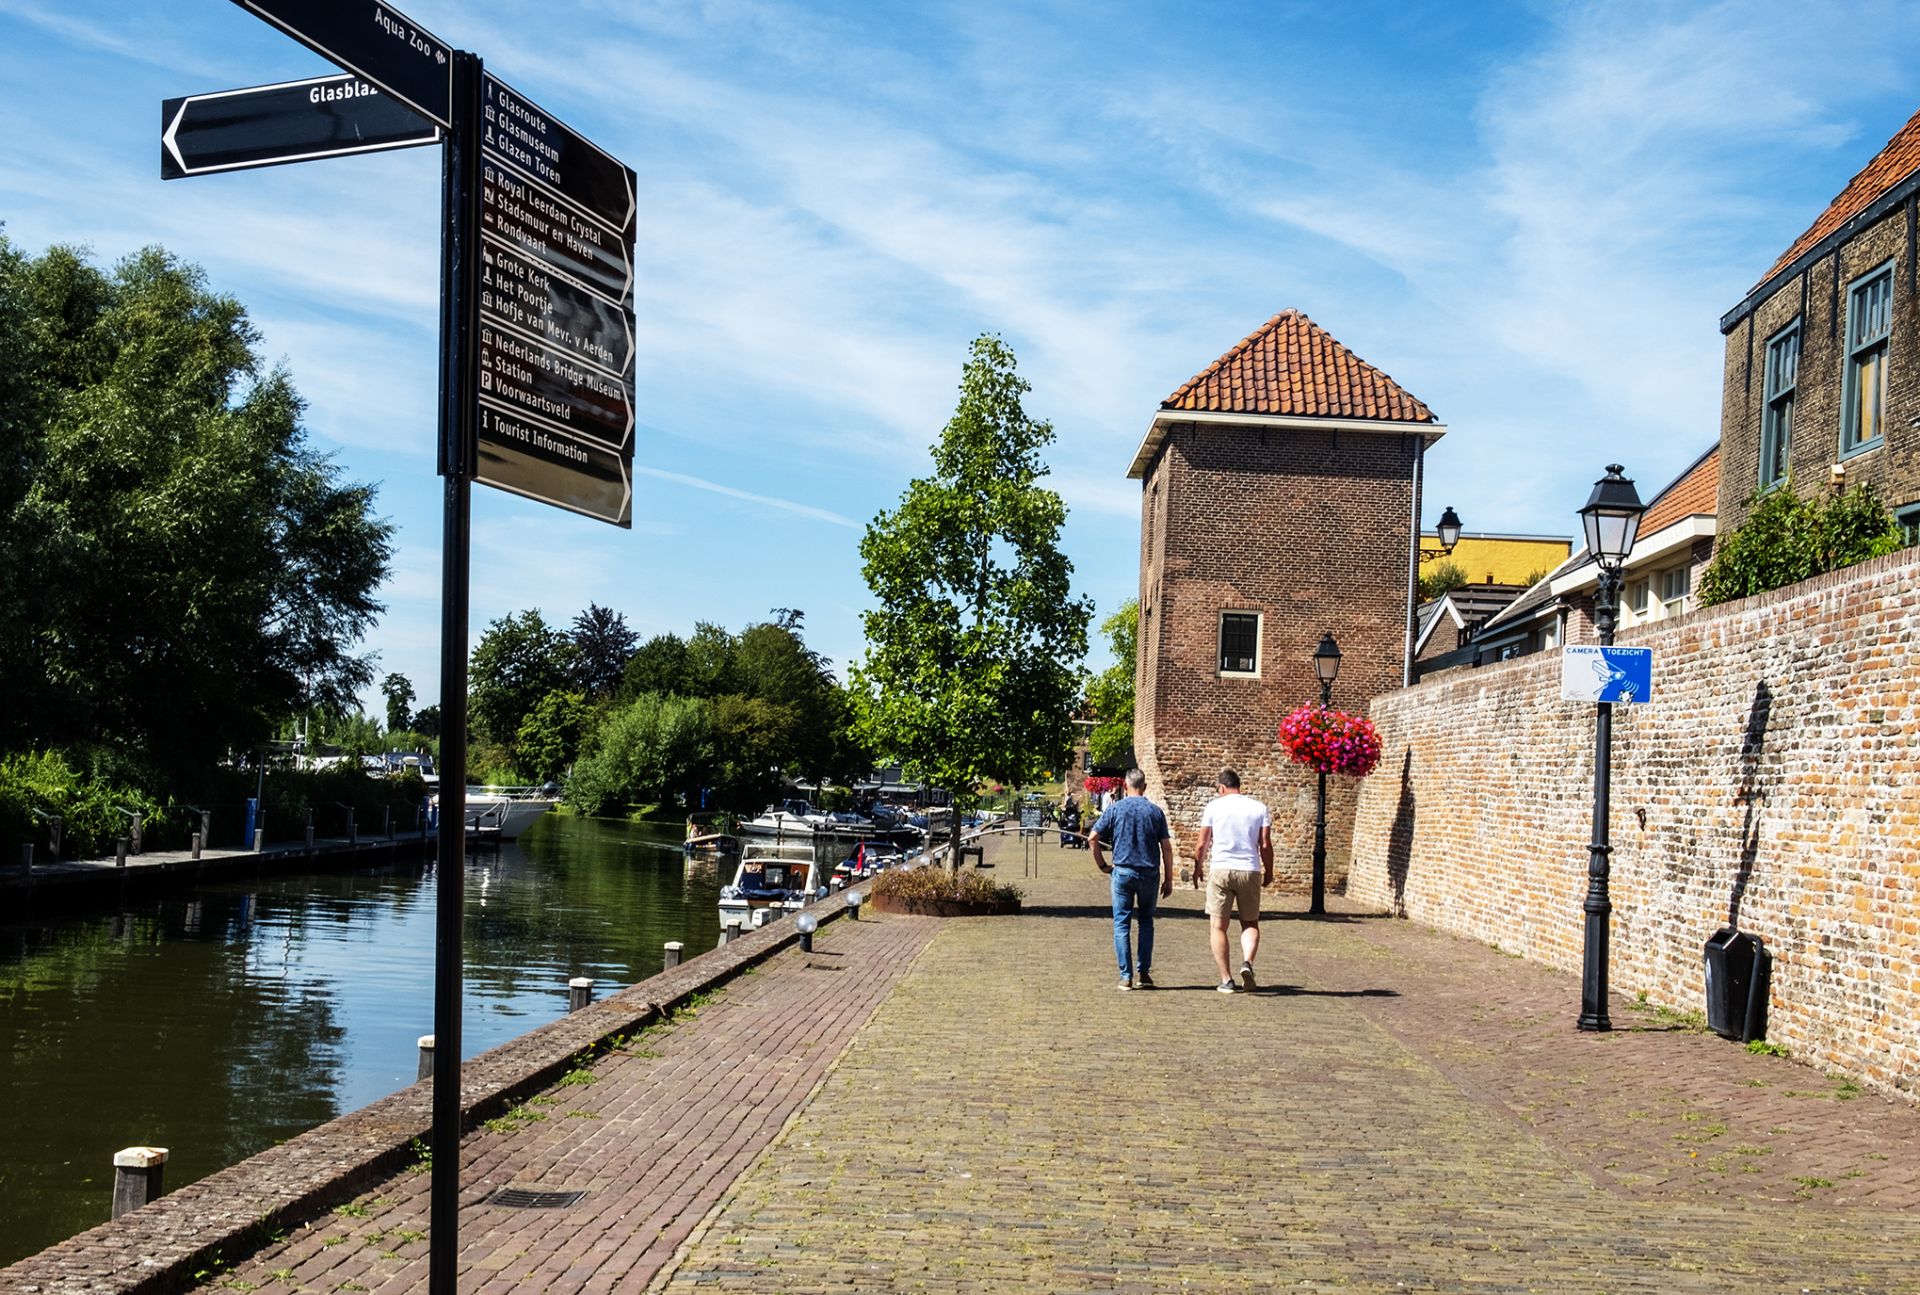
[1136, 831]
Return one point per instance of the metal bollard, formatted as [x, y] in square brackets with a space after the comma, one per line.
[674, 949]
[196, 845]
[120, 852]
[425, 1070]
[136, 1177]
[309, 828]
[579, 993]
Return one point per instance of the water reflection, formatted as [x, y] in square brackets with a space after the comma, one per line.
[219, 1022]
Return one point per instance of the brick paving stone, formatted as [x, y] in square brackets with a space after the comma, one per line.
[653, 1133]
[1396, 1110]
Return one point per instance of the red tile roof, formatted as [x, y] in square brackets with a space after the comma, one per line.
[1892, 164]
[1695, 491]
[1290, 366]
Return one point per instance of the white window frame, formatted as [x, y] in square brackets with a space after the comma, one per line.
[1851, 441]
[1220, 642]
[1675, 604]
[1639, 589]
[1782, 383]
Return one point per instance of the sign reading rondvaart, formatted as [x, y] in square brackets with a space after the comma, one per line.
[556, 311]
[296, 121]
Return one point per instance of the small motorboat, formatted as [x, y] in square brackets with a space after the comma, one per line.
[772, 879]
[505, 813]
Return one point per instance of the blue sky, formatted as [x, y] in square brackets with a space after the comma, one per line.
[1532, 216]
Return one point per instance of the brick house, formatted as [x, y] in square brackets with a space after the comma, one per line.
[1280, 500]
[1822, 371]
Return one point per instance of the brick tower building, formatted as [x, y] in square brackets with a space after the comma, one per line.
[1280, 500]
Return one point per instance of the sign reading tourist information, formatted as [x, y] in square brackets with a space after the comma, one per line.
[328, 116]
[377, 41]
[1589, 673]
[556, 311]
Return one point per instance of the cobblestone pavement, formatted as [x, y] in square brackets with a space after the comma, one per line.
[652, 1134]
[1395, 1110]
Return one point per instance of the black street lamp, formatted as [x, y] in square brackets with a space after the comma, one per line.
[1449, 532]
[1612, 521]
[1326, 664]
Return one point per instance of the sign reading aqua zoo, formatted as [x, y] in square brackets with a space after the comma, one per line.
[1589, 673]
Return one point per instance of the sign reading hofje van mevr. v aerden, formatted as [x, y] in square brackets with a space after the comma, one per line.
[1590, 673]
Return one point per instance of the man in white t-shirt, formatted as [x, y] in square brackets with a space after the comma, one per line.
[1236, 839]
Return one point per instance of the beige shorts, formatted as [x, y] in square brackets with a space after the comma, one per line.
[1231, 888]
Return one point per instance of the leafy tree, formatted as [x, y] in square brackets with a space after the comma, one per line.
[967, 677]
[178, 564]
[647, 750]
[660, 665]
[1786, 539]
[712, 670]
[1110, 693]
[549, 737]
[426, 722]
[602, 642]
[518, 660]
[1446, 576]
[398, 690]
[751, 740]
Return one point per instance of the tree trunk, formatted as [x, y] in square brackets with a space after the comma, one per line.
[953, 822]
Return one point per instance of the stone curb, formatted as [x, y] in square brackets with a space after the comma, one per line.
[228, 1214]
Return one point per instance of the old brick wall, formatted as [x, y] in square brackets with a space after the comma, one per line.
[1775, 774]
[1818, 298]
[1312, 529]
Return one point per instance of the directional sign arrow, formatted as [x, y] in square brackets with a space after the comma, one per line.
[377, 41]
[525, 295]
[522, 214]
[548, 385]
[524, 458]
[296, 121]
[519, 132]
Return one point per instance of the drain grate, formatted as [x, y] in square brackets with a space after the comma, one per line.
[519, 1198]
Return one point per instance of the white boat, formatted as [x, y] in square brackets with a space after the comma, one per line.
[772, 879]
[505, 812]
[792, 819]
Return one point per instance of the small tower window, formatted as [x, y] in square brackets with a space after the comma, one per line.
[1240, 644]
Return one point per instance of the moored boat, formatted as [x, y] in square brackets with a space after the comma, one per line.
[772, 879]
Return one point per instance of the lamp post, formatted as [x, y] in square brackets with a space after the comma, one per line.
[1326, 664]
[1612, 521]
[1449, 532]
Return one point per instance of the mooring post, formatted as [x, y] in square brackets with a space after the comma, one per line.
[136, 1177]
[674, 948]
[730, 931]
[579, 992]
[353, 827]
[196, 845]
[309, 827]
[387, 824]
[26, 859]
[425, 1070]
[120, 852]
[259, 840]
[137, 824]
[206, 829]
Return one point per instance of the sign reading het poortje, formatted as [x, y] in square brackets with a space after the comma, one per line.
[1615, 674]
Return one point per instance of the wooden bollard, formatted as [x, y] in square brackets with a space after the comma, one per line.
[425, 1070]
[388, 823]
[353, 829]
[674, 949]
[729, 932]
[196, 845]
[579, 993]
[309, 828]
[26, 858]
[120, 852]
[259, 840]
[136, 1177]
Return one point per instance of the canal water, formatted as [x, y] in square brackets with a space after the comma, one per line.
[220, 1021]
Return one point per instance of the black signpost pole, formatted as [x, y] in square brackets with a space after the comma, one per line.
[460, 236]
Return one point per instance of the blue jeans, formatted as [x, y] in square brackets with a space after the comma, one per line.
[1135, 893]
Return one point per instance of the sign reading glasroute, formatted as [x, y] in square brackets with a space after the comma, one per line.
[556, 311]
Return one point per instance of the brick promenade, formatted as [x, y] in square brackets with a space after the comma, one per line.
[1396, 1110]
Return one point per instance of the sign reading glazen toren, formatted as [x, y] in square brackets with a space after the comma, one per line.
[556, 356]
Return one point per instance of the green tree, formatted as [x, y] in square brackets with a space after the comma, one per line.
[518, 660]
[1446, 576]
[398, 690]
[712, 670]
[969, 673]
[1786, 539]
[549, 737]
[1110, 693]
[648, 750]
[179, 566]
[602, 642]
[660, 665]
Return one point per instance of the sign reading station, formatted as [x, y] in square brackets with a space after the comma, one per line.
[1622, 674]
[556, 311]
[296, 121]
[377, 41]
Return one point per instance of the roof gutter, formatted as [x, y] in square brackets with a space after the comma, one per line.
[1165, 418]
[1876, 210]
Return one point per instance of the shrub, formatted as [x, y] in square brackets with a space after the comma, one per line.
[1446, 575]
[1787, 539]
[935, 883]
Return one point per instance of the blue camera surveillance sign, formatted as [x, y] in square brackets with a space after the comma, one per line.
[1606, 674]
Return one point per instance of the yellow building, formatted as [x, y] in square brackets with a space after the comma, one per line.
[1498, 559]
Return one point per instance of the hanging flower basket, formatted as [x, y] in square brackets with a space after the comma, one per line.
[1331, 741]
[1100, 784]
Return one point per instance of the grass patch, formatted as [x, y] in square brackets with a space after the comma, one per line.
[1762, 1048]
[352, 1210]
[578, 1077]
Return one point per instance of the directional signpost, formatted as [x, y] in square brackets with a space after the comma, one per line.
[298, 121]
[536, 365]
